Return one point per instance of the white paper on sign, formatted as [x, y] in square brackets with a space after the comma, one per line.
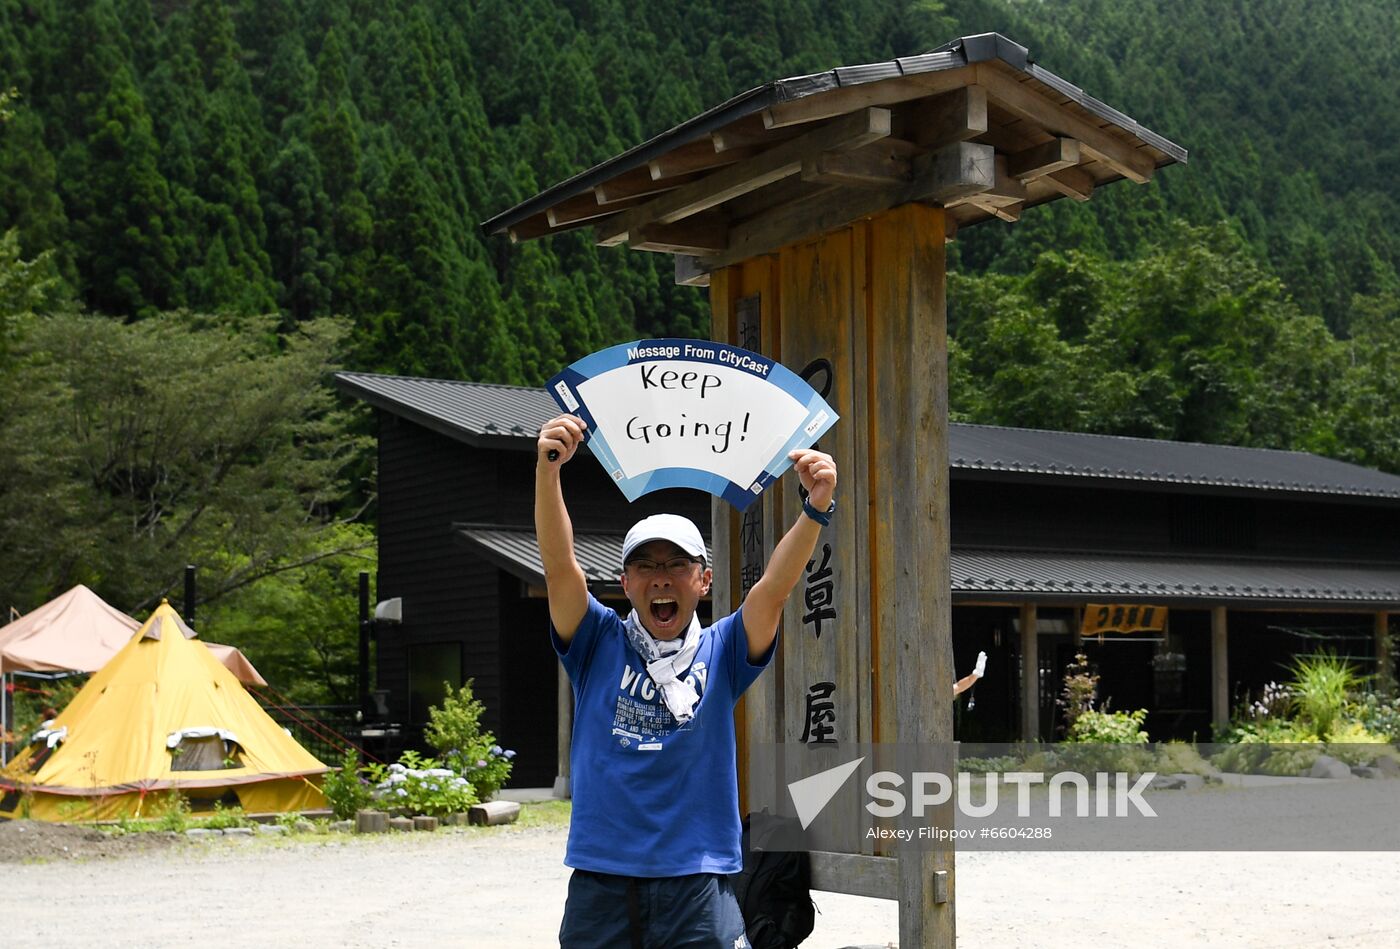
[692, 413]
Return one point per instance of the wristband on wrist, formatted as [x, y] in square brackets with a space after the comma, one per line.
[821, 517]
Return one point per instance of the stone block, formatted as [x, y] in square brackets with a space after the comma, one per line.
[1328, 767]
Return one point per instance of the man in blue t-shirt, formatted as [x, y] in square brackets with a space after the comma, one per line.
[655, 829]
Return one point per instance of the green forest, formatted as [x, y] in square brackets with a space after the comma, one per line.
[209, 206]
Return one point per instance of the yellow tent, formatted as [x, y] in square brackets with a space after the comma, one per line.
[162, 715]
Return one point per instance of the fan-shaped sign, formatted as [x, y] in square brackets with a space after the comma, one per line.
[691, 413]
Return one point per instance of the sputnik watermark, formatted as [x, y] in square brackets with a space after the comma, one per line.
[874, 797]
[930, 789]
[1111, 795]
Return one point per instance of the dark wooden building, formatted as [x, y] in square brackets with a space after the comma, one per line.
[1253, 556]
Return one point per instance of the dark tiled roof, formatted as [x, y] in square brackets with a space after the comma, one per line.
[1086, 576]
[510, 416]
[472, 412]
[961, 52]
[1044, 577]
[1028, 451]
[515, 550]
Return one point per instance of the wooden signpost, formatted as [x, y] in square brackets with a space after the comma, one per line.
[817, 209]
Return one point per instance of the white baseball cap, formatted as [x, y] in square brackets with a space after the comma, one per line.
[680, 531]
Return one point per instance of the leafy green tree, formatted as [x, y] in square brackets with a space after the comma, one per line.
[118, 203]
[29, 201]
[300, 625]
[1368, 420]
[177, 439]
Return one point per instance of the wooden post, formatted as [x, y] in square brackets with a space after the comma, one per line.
[910, 576]
[564, 692]
[862, 311]
[1385, 662]
[1030, 673]
[1219, 669]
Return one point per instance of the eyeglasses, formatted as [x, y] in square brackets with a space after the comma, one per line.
[676, 566]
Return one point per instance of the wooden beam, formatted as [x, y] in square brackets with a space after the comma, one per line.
[1004, 200]
[1009, 212]
[537, 225]
[637, 183]
[951, 117]
[825, 105]
[952, 172]
[583, 207]
[1055, 155]
[1026, 102]
[695, 237]
[689, 273]
[1030, 673]
[692, 157]
[857, 874]
[869, 167]
[1071, 182]
[1219, 669]
[787, 192]
[749, 132]
[851, 131]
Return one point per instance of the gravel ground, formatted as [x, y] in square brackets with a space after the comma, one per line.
[505, 887]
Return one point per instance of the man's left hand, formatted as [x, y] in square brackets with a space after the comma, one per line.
[817, 471]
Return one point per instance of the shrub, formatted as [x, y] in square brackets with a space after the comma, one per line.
[997, 765]
[1077, 694]
[1352, 744]
[347, 790]
[225, 817]
[454, 732]
[1109, 728]
[418, 785]
[1378, 714]
[172, 812]
[1321, 686]
[1178, 757]
[1275, 701]
[1107, 741]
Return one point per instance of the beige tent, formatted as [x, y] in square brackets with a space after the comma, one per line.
[163, 715]
[80, 632]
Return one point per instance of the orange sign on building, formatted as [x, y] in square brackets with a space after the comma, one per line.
[1122, 618]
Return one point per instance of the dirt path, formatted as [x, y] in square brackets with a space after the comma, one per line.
[506, 889]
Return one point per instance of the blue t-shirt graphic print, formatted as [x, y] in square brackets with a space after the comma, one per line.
[653, 797]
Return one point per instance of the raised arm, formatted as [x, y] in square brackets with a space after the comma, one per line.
[563, 577]
[763, 607]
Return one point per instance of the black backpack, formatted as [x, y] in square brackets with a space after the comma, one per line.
[772, 889]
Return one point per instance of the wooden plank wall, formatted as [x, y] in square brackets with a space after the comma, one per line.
[426, 482]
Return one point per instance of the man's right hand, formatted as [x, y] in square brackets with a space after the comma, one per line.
[562, 434]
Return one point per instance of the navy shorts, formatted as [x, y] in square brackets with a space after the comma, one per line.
[616, 912]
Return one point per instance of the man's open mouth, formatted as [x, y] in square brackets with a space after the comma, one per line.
[663, 609]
